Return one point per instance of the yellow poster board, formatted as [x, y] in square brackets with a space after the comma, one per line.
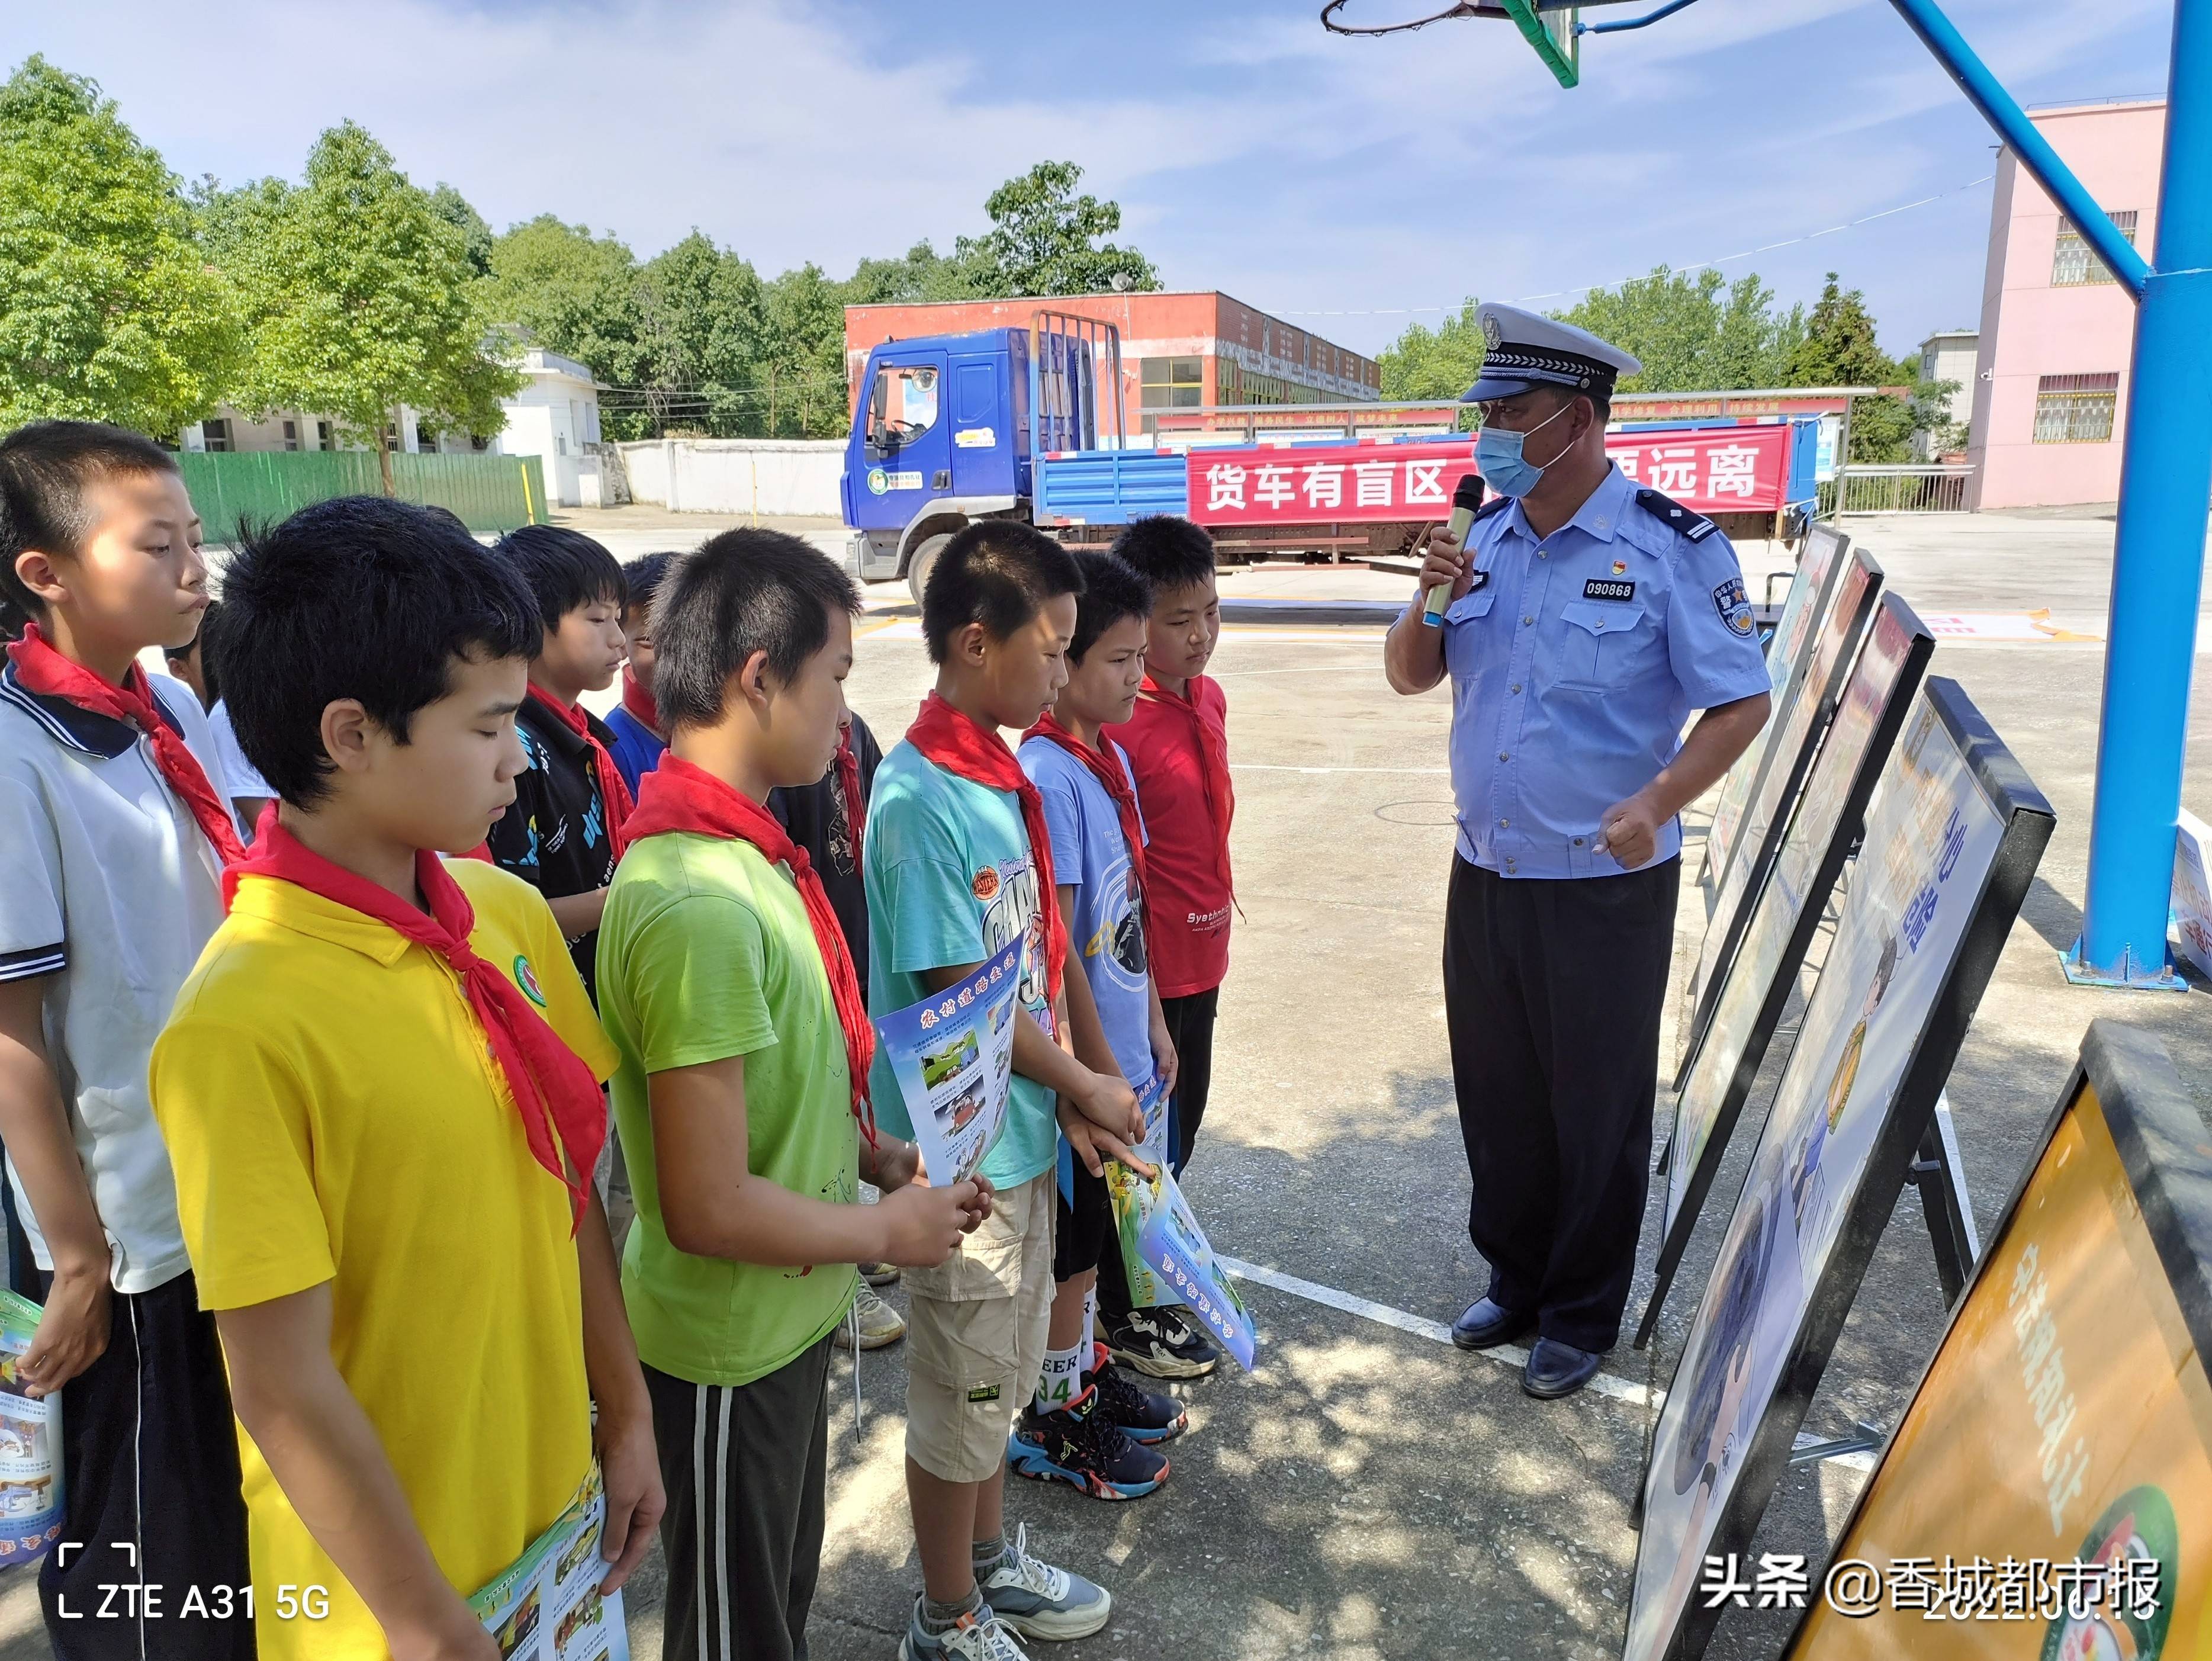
[2067, 1418]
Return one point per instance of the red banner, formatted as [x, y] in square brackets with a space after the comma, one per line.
[1717, 470]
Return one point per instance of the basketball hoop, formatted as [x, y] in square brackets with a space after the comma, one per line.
[1332, 16]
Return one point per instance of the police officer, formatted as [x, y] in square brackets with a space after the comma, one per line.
[1588, 618]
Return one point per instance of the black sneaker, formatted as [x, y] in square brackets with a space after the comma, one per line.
[1077, 1445]
[1144, 1415]
[1161, 1342]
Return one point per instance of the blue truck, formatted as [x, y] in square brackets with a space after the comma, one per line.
[1026, 423]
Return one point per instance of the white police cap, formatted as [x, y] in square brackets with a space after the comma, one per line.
[1527, 350]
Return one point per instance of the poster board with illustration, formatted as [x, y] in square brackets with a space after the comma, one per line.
[1756, 989]
[2192, 892]
[1788, 653]
[1954, 833]
[1767, 814]
[2066, 1418]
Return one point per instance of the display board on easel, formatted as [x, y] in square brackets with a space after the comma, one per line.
[1756, 990]
[1812, 591]
[1767, 814]
[1953, 834]
[2066, 1418]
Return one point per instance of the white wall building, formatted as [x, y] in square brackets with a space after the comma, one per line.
[554, 417]
[1949, 355]
[227, 429]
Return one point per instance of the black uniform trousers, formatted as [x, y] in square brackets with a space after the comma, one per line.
[1553, 992]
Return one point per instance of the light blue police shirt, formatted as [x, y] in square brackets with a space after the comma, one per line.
[1575, 663]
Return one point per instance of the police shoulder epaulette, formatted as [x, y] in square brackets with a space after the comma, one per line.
[1675, 516]
[1497, 504]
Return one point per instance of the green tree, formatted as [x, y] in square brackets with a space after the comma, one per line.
[920, 274]
[1839, 349]
[801, 365]
[1439, 362]
[361, 298]
[700, 328]
[1694, 333]
[573, 293]
[108, 309]
[454, 209]
[1043, 239]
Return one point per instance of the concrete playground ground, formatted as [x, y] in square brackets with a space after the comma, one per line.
[1369, 1492]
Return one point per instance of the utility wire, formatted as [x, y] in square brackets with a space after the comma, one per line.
[1702, 264]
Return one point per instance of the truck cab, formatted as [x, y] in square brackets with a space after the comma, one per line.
[948, 430]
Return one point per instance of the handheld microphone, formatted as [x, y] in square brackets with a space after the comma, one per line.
[1466, 501]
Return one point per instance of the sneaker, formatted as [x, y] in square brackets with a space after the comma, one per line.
[1143, 1415]
[880, 1274]
[1039, 1601]
[880, 1323]
[1079, 1446]
[979, 1637]
[1161, 1342]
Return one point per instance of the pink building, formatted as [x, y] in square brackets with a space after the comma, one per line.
[2051, 380]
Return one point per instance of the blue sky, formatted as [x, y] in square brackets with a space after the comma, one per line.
[1308, 174]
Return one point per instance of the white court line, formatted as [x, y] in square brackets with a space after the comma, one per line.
[1512, 1355]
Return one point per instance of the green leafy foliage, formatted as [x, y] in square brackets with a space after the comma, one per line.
[1044, 239]
[1694, 333]
[360, 297]
[109, 310]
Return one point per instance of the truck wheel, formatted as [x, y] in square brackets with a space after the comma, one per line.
[924, 561]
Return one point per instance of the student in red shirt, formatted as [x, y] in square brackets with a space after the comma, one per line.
[1178, 746]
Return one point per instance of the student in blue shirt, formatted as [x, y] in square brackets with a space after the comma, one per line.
[1587, 619]
[635, 722]
[1088, 1424]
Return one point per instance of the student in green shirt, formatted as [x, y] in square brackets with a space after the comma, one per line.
[726, 986]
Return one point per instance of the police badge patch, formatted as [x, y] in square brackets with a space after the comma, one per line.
[1734, 606]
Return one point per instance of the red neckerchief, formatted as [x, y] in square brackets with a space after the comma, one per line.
[1214, 762]
[639, 702]
[612, 791]
[1115, 783]
[47, 673]
[955, 742]
[553, 1092]
[678, 796]
[848, 787]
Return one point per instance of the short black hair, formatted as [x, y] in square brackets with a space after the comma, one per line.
[44, 470]
[565, 570]
[644, 574]
[205, 643]
[358, 597]
[998, 572]
[744, 591]
[1112, 591]
[1167, 550]
[438, 510]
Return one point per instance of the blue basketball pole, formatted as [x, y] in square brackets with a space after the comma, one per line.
[2165, 482]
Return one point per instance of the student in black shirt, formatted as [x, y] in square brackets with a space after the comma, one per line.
[563, 833]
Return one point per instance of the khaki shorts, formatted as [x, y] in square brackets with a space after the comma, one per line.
[976, 1336]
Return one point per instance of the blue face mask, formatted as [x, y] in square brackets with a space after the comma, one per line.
[1498, 457]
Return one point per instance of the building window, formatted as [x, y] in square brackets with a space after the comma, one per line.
[2075, 409]
[2075, 264]
[1171, 383]
[215, 434]
[291, 435]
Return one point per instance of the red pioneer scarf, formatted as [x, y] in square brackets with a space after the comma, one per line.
[955, 742]
[1214, 760]
[848, 787]
[47, 673]
[1116, 782]
[639, 702]
[612, 791]
[553, 1092]
[677, 796]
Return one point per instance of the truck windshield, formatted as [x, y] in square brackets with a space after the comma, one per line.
[906, 396]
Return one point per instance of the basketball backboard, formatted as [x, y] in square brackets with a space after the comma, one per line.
[1554, 28]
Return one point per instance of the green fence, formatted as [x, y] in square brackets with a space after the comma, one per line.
[492, 494]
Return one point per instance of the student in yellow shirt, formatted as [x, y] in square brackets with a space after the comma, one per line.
[379, 1091]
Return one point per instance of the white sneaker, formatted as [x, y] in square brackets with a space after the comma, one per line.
[880, 1324]
[978, 1637]
[1039, 1601]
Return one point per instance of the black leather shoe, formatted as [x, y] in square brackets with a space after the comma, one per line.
[1555, 1369]
[1485, 1325]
